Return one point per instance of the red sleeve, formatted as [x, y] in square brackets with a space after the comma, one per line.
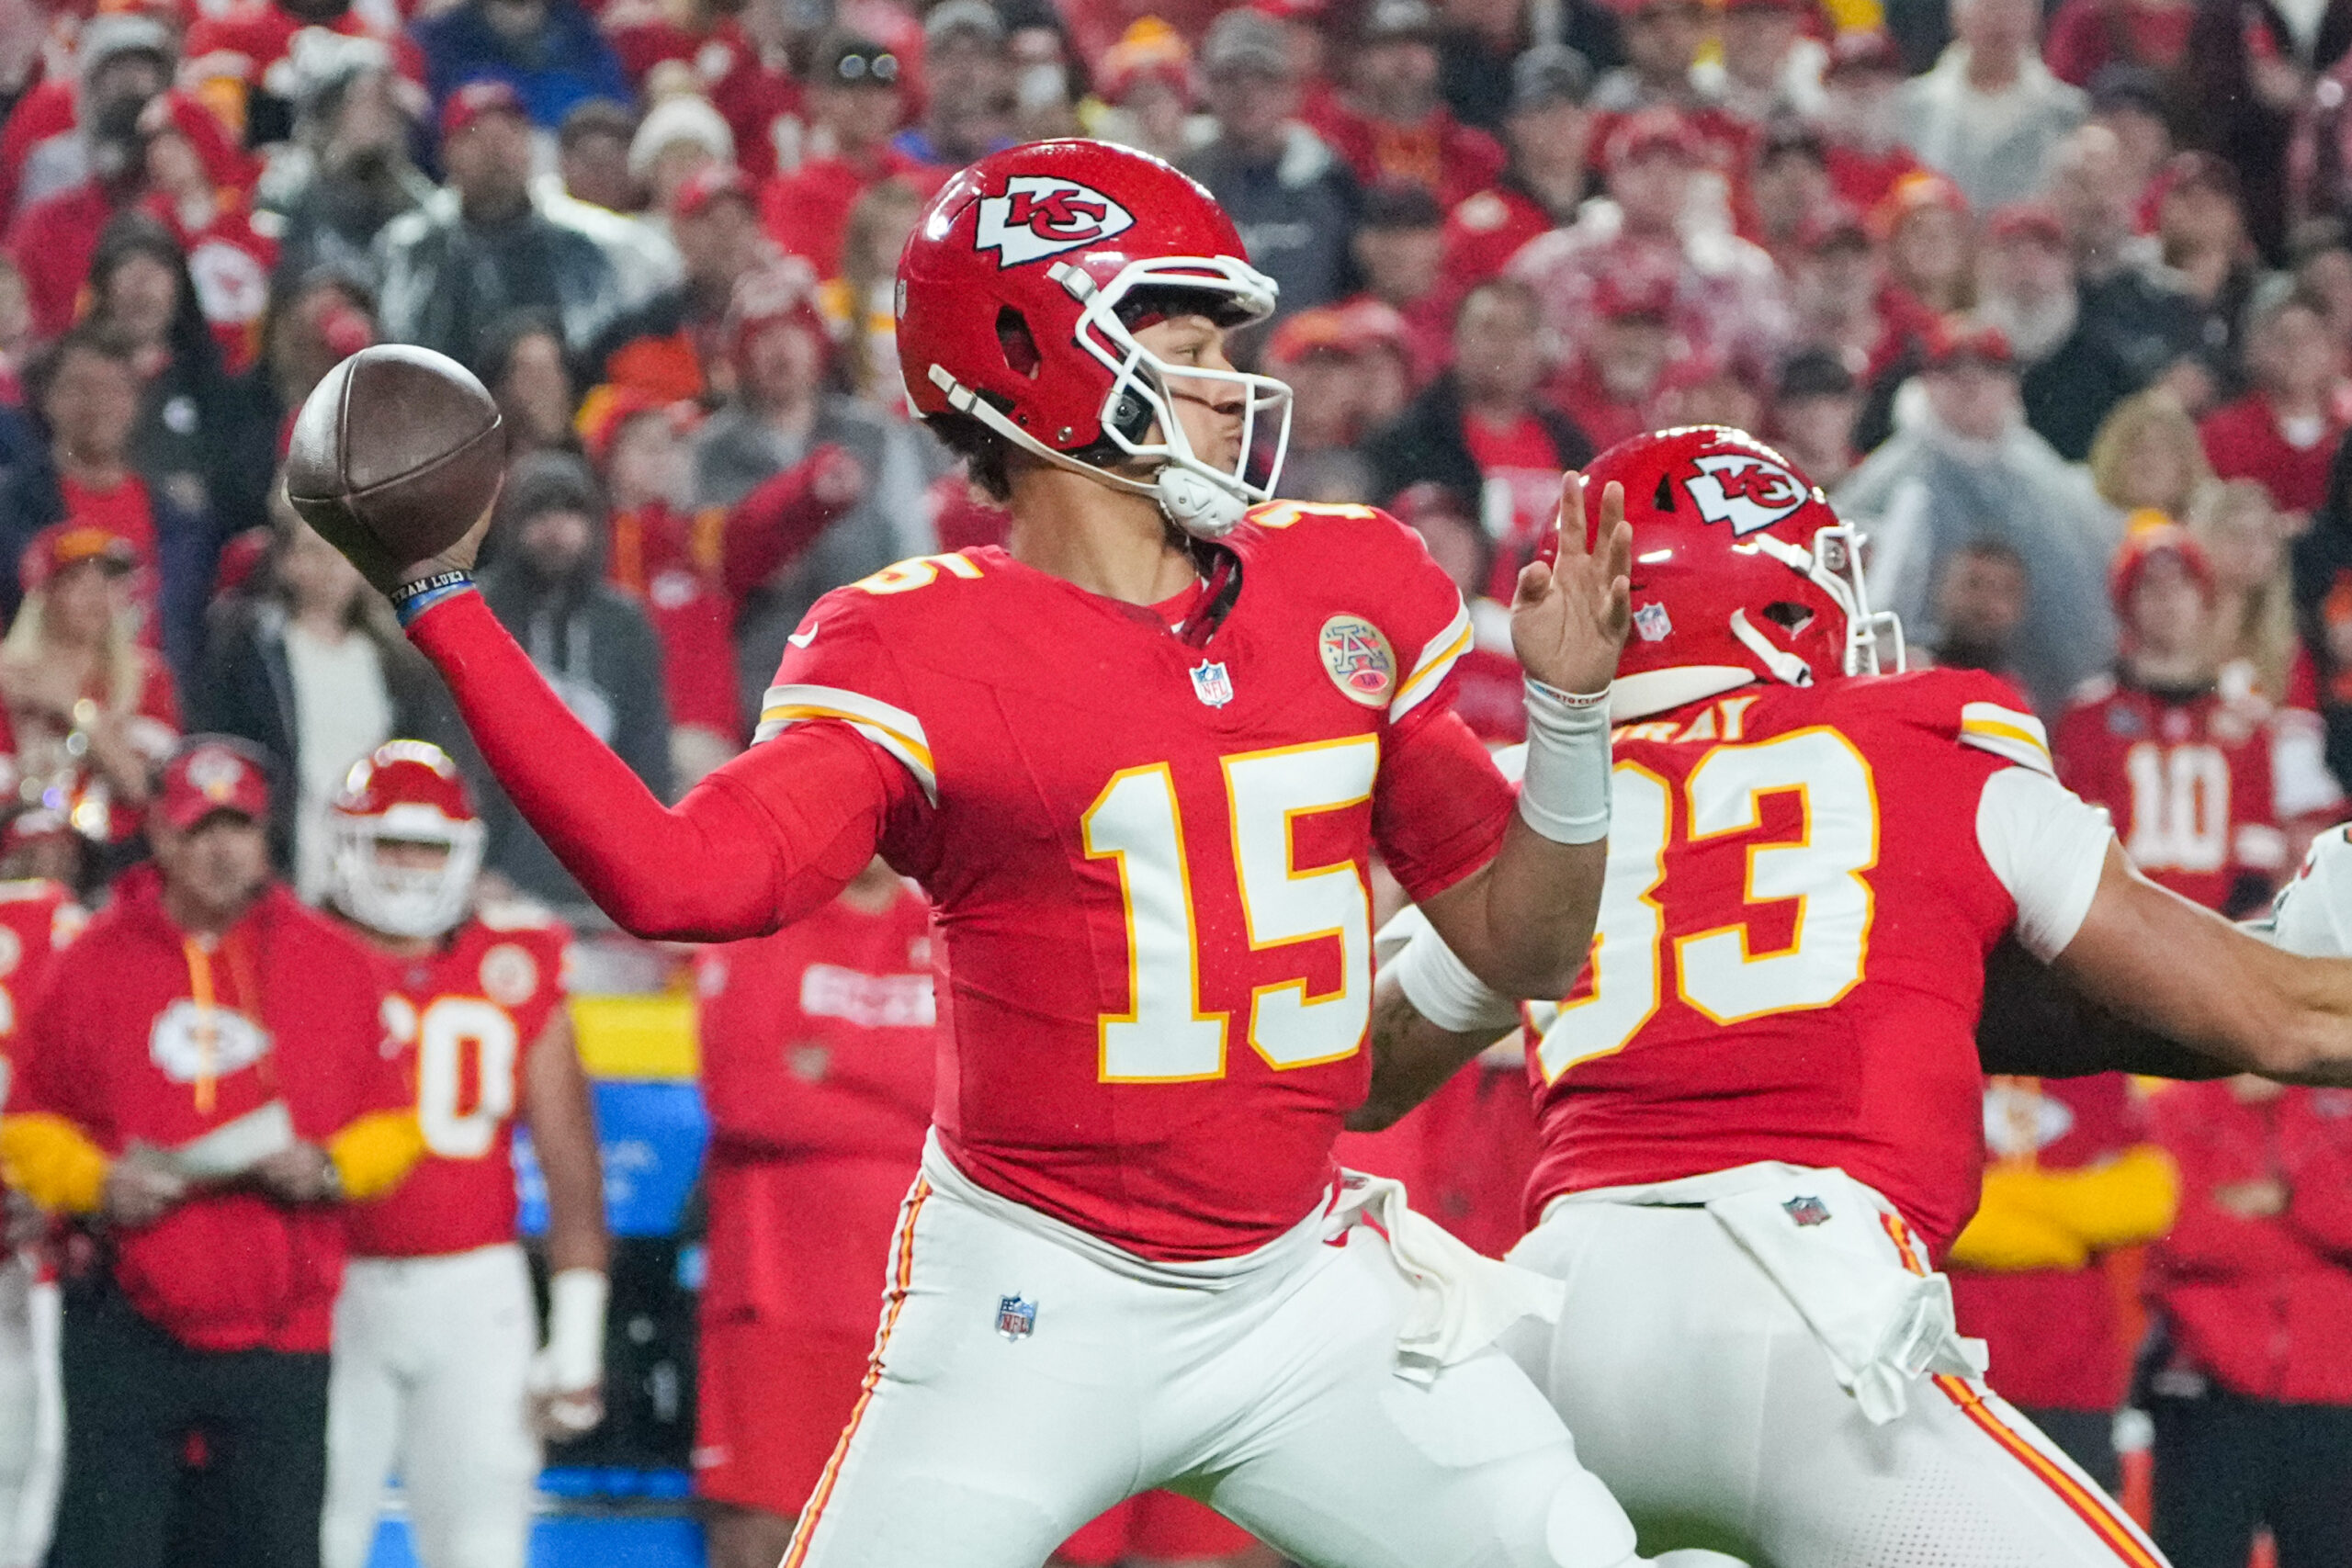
[350, 1075]
[1439, 807]
[768, 836]
[44, 1073]
[775, 522]
[157, 700]
[2320, 1209]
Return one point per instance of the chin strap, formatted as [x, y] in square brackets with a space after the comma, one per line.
[1786, 667]
[1192, 502]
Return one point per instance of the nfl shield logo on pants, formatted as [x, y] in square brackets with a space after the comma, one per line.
[1016, 1319]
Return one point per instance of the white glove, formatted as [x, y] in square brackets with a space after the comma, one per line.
[567, 1379]
[2312, 914]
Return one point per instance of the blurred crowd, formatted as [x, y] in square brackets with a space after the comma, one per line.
[2055, 302]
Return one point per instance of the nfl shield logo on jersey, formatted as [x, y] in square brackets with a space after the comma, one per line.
[1212, 685]
[1016, 1319]
[1807, 1211]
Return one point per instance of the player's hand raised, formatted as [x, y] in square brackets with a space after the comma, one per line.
[1573, 607]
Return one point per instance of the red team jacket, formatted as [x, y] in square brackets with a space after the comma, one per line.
[1147, 847]
[1790, 949]
[118, 1046]
[818, 1055]
[37, 918]
[2055, 1334]
[463, 1020]
[2262, 1307]
[2188, 783]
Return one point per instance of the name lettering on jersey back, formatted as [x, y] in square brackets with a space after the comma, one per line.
[869, 1001]
[1726, 719]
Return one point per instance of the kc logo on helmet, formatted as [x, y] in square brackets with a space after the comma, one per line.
[1043, 215]
[1747, 492]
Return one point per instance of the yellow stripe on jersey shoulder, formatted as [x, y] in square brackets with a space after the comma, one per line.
[2007, 733]
[1439, 655]
[894, 729]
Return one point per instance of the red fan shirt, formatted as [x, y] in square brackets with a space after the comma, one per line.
[462, 1021]
[2189, 782]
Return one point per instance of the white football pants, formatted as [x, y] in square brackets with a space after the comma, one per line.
[33, 1413]
[1021, 1387]
[431, 1361]
[1702, 1399]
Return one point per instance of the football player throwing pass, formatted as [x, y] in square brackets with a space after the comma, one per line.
[437, 1368]
[1760, 1105]
[1137, 760]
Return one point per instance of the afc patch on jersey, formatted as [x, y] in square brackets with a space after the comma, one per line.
[190, 1042]
[1043, 215]
[1745, 491]
[1358, 659]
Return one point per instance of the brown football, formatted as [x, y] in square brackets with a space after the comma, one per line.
[400, 443]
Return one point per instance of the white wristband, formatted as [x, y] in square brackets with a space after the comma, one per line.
[574, 1356]
[1564, 795]
[1442, 990]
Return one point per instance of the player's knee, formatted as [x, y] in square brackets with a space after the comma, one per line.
[1585, 1528]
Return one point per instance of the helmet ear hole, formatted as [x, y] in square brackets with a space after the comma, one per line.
[1664, 499]
[1788, 616]
[1020, 346]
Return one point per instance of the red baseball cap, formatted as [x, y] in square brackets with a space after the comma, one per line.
[1953, 340]
[607, 408]
[1652, 130]
[1866, 50]
[708, 184]
[211, 774]
[1322, 328]
[2027, 220]
[475, 99]
[2143, 544]
[71, 543]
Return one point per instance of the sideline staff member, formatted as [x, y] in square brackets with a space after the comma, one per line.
[202, 1076]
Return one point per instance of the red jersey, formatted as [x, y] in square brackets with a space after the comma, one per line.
[2188, 783]
[2261, 1306]
[1147, 847]
[2244, 440]
[819, 1049]
[462, 1020]
[37, 917]
[145, 1034]
[806, 212]
[2055, 1335]
[1790, 949]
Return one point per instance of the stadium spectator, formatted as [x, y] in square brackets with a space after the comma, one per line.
[591, 155]
[1549, 133]
[229, 258]
[1789, 189]
[591, 642]
[967, 80]
[1145, 97]
[1861, 119]
[548, 53]
[306, 665]
[1610, 389]
[314, 323]
[1768, 67]
[670, 344]
[2129, 101]
[781, 413]
[2243, 79]
[859, 303]
[1400, 254]
[2026, 287]
[855, 100]
[2319, 257]
[1964, 466]
[1391, 125]
[346, 171]
[1291, 196]
[203, 1078]
[2129, 301]
[1319, 353]
[2285, 431]
[1728, 297]
[2147, 458]
[67, 126]
[1662, 40]
[2255, 649]
[1930, 241]
[1980, 599]
[2253, 1405]
[1990, 111]
[1484, 429]
[2200, 223]
[85, 713]
[2072, 1178]
[525, 368]
[2091, 37]
[1816, 401]
[680, 136]
[450, 271]
[1844, 303]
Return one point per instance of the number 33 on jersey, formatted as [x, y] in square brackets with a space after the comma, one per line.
[1145, 831]
[463, 1019]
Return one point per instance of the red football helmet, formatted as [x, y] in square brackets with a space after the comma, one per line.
[1009, 297]
[405, 792]
[1741, 572]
